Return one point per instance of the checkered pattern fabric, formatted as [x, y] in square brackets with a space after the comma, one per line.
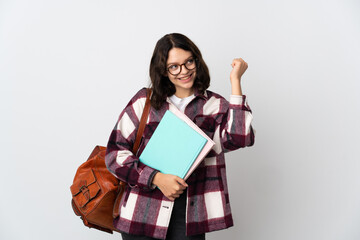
[144, 209]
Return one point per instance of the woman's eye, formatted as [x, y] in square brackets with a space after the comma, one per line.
[173, 67]
[190, 61]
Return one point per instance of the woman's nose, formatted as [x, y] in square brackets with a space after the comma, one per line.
[184, 70]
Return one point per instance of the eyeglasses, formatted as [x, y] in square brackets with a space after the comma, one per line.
[175, 69]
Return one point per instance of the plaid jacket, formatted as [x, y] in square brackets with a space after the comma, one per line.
[144, 210]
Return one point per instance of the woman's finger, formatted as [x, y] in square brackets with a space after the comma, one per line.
[182, 182]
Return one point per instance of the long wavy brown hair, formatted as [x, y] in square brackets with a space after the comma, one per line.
[161, 85]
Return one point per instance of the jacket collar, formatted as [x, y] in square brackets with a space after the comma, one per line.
[196, 94]
[199, 94]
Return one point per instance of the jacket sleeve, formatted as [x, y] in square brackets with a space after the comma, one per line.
[236, 130]
[119, 159]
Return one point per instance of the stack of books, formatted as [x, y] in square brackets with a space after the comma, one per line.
[177, 145]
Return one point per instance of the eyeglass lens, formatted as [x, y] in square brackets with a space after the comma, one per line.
[176, 69]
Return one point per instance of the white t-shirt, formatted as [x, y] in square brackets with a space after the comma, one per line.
[181, 103]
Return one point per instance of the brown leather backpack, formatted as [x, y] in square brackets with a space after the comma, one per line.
[96, 193]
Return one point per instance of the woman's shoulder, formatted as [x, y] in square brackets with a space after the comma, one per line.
[210, 94]
[214, 104]
[141, 93]
[138, 99]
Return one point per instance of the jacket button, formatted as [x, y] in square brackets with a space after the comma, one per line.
[191, 203]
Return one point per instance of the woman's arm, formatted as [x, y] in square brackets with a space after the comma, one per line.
[119, 158]
[236, 130]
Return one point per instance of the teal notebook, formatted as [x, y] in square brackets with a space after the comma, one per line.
[173, 147]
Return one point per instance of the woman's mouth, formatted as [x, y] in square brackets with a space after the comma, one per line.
[185, 78]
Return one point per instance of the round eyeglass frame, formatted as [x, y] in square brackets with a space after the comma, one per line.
[184, 64]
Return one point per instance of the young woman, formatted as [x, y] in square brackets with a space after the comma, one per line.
[164, 206]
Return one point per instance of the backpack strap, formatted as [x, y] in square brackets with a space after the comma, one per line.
[143, 120]
[139, 133]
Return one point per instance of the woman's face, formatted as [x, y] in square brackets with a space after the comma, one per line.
[184, 80]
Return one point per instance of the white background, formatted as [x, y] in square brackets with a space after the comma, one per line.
[68, 68]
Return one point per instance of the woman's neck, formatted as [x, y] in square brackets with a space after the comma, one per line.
[184, 93]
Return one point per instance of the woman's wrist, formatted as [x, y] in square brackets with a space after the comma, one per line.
[157, 178]
[236, 87]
